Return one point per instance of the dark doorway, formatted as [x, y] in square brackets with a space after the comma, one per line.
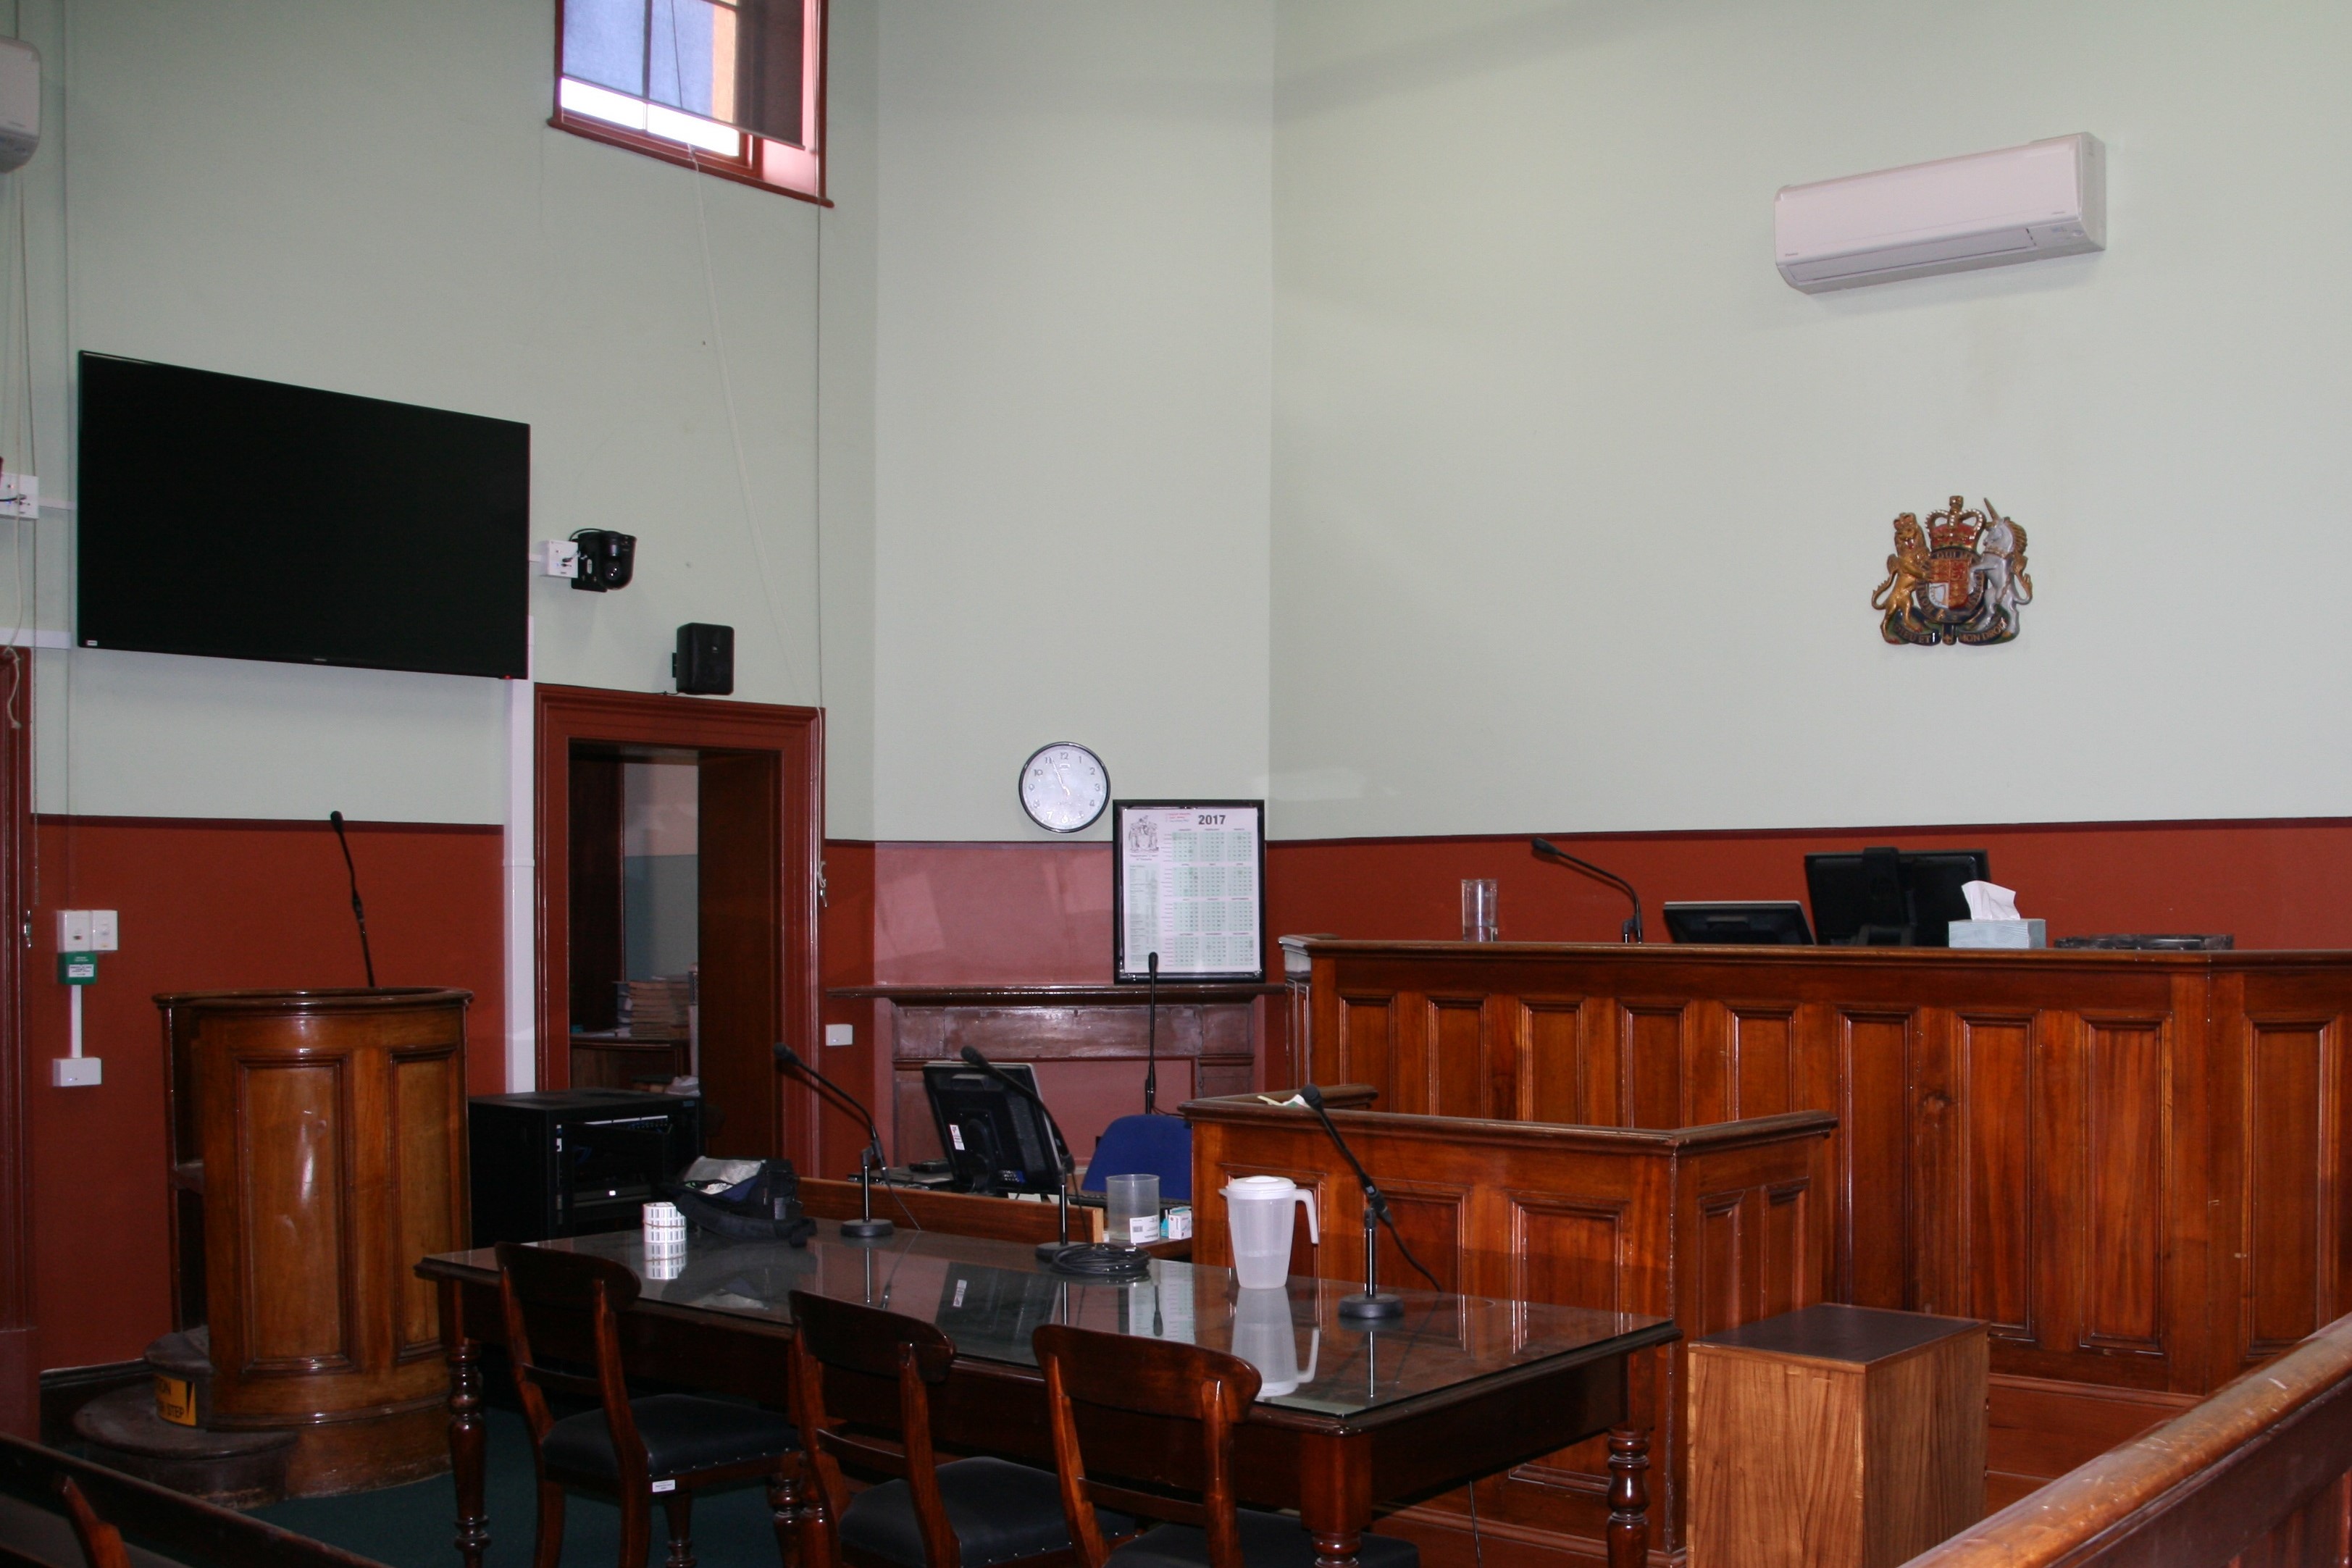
[677, 854]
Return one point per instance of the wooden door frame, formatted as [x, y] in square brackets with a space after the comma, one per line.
[795, 735]
[19, 1370]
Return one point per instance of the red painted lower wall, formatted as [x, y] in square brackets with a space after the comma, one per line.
[212, 905]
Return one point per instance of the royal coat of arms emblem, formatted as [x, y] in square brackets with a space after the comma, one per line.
[1962, 578]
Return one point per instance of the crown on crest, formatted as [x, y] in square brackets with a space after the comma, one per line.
[1955, 526]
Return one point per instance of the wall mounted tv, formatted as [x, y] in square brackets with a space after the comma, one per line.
[246, 519]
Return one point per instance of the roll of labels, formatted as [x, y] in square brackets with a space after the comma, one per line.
[664, 1241]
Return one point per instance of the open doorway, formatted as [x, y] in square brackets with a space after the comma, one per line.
[677, 859]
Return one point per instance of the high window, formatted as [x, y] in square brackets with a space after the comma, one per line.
[735, 87]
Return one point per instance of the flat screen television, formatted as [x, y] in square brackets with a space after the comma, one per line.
[1891, 898]
[238, 519]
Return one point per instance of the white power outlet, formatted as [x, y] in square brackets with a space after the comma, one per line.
[841, 1034]
[77, 1071]
[560, 558]
[105, 934]
[20, 497]
[73, 931]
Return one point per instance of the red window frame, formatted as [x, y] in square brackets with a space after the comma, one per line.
[762, 161]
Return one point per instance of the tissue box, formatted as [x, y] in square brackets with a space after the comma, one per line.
[2000, 934]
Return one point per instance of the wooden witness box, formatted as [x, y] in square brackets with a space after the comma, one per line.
[2128, 1163]
[1835, 1437]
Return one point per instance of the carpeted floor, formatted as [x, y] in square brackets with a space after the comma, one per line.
[415, 1526]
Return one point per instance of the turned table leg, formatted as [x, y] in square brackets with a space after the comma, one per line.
[469, 1438]
[1629, 1496]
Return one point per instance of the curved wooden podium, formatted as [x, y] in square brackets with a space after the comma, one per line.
[324, 1132]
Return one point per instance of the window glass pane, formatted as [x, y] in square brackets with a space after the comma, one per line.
[604, 42]
[768, 69]
[686, 49]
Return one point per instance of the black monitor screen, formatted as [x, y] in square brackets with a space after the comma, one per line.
[1891, 898]
[247, 519]
[994, 1138]
[1776, 923]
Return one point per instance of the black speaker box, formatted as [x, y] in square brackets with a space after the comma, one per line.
[704, 664]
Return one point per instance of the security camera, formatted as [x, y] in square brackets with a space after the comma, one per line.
[607, 560]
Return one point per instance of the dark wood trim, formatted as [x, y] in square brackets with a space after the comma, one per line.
[1047, 996]
[794, 737]
[264, 824]
[1836, 829]
[19, 1392]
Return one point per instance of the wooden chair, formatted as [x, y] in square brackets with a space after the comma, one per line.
[101, 1543]
[1124, 1373]
[667, 1445]
[966, 1513]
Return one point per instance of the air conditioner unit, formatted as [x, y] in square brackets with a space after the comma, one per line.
[1988, 209]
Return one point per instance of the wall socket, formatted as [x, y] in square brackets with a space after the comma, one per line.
[88, 931]
[20, 497]
[841, 1034]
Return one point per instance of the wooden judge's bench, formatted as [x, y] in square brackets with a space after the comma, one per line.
[2128, 1163]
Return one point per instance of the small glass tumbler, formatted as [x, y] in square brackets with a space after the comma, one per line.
[1131, 1209]
[1479, 896]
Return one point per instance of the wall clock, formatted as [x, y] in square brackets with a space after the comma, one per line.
[1064, 786]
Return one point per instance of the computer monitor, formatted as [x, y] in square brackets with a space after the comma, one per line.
[995, 1139]
[1888, 897]
[1774, 923]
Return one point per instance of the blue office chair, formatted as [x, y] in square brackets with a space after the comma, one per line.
[1145, 1145]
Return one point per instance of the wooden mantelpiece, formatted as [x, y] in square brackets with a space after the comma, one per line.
[1092, 1038]
[2129, 1163]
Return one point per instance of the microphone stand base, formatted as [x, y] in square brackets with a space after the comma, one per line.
[866, 1229]
[1096, 1260]
[1363, 1308]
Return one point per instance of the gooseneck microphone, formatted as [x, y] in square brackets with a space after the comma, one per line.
[865, 1227]
[1629, 932]
[359, 910]
[1151, 1038]
[1372, 1304]
[1092, 1260]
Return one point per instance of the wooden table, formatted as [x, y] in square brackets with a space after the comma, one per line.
[1461, 1387]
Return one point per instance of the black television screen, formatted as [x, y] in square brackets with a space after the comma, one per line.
[247, 519]
[1773, 924]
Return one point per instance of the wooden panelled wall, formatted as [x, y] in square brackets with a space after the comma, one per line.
[2129, 1163]
[1713, 1227]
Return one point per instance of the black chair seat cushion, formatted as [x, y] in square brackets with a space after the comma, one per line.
[682, 1434]
[1269, 1540]
[998, 1509]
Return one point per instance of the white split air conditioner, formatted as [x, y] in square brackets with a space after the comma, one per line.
[1988, 209]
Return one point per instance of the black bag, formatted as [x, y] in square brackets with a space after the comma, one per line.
[762, 1208]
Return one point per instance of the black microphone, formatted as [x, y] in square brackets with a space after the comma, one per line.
[359, 910]
[1095, 1260]
[1629, 932]
[1372, 1302]
[865, 1227]
[1151, 1040]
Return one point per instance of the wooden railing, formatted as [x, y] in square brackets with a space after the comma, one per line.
[2257, 1474]
[177, 1528]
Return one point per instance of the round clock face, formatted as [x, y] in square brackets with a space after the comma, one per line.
[1064, 786]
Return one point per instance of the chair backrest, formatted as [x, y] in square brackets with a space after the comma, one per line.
[101, 1543]
[546, 1292]
[1155, 1146]
[875, 1344]
[1085, 1367]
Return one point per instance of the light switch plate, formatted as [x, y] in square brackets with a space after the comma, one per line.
[76, 1072]
[841, 1034]
[105, 933]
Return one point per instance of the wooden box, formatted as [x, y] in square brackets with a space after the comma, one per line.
[1835, 1437]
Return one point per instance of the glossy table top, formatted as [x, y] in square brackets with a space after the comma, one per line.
[990, 1296]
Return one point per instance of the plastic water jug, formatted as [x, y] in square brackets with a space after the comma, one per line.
[1258, 1218]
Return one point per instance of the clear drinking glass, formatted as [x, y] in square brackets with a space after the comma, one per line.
[1131, 1209]
[1479, 898]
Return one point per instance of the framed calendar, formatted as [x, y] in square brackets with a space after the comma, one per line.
[1188, 883]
